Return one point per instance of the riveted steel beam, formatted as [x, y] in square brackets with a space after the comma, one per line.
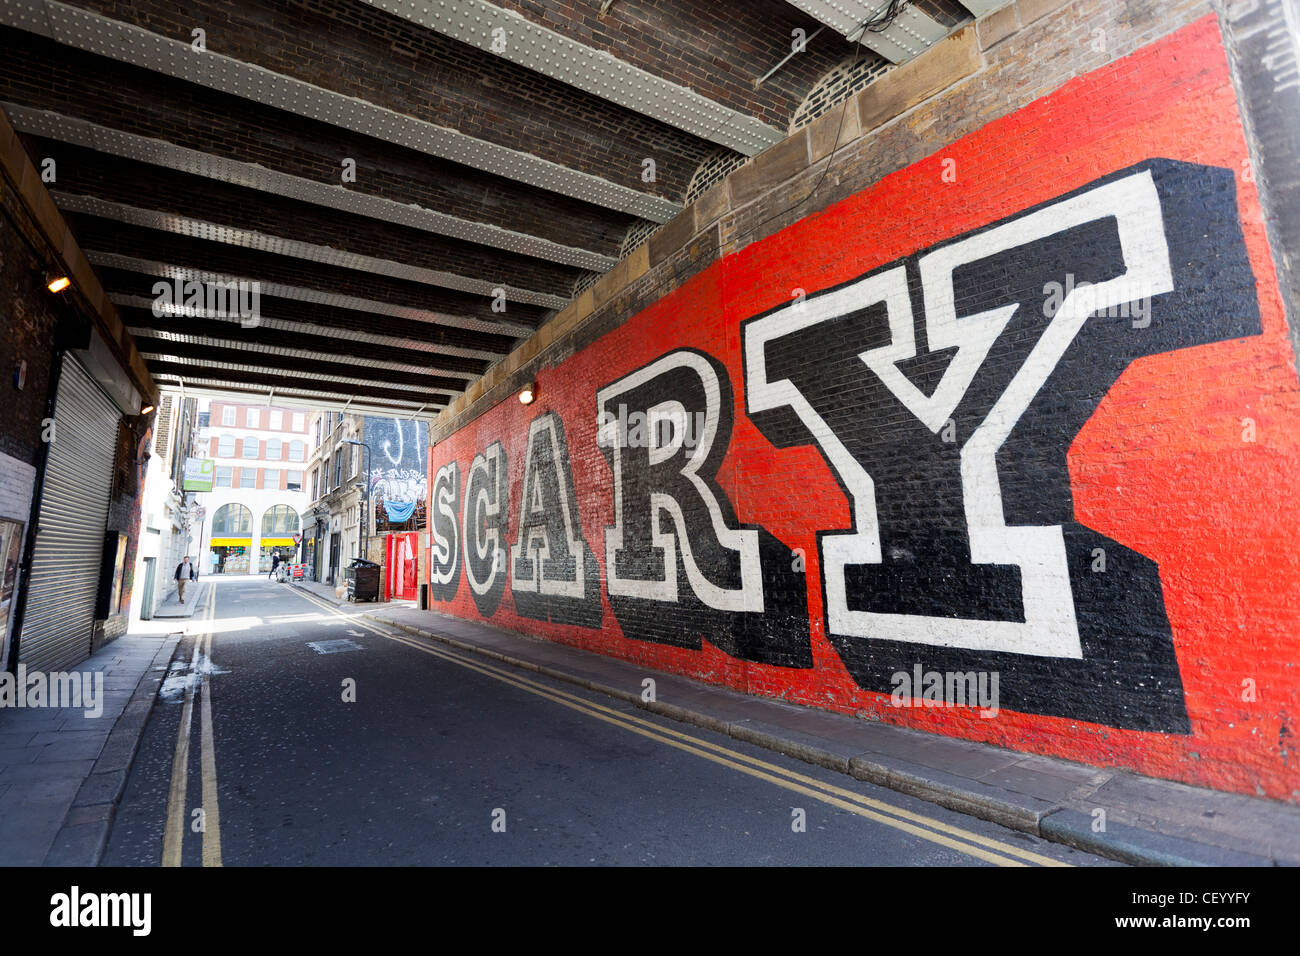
[910, 35]
[75, 27]
[151, 267]
[158, 152]
[216, 365]
[312, 252]
[261, 348]
[343, 336]
[216, 386]
[513, 37]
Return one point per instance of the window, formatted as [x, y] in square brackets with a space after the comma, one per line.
[248, 477]
[338, 468]
[297, 450]
[319, 420]
[274, 449]
[252, 417]
[225, 476]
[226, 446]
[232, 519]
[279, 521]
[250, 448]
[228, 415]
[277, 421]
[295, 481]
[299, 422]
[271, 478]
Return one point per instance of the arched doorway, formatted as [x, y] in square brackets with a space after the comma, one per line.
[232, 539]
[279, 525]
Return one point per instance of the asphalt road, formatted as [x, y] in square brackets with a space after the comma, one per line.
[445, 759]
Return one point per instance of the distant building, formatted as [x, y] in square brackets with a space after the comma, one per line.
[259, 456]
[336, 527]
[168, 510]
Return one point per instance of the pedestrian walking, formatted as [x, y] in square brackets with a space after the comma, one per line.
[275, 564]
[186, 572]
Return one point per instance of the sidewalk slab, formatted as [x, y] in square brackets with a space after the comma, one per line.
[172, 608]
[1150, 822]
[54, 762]
[1138, 845]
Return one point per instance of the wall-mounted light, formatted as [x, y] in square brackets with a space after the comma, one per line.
[146, 409]
[528, 393]
[57, 283]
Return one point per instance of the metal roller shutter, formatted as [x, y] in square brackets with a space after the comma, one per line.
[60, 613]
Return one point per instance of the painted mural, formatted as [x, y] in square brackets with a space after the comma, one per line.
[398, 452]
[1036, 421]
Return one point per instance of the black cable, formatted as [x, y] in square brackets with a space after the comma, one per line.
[873, 24]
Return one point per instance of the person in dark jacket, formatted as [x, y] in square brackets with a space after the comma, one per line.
[186, 572]
[275, 564]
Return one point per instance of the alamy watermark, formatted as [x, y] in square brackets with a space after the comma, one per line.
[56, 689]
[923, 688]
[663, 427]
[1135, 296]
[237, 299]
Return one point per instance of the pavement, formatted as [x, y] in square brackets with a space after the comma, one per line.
[1113, 813]
[62, 769]
[171, 607]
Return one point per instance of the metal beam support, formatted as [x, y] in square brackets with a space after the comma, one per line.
[73, 26]
[204, 386]
[150, 267]
[514, 37]
[158, 152]
[219, 366]
[310, 251]
[324, 331]
[910, 35]
[244, 345]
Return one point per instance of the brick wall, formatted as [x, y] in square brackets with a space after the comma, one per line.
[28, 321]
[1001, 384]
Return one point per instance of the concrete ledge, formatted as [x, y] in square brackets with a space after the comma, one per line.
[1138, 846]
[1014, 810]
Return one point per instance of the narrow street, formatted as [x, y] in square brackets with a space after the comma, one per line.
[438, 747]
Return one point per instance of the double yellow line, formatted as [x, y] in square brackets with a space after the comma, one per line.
[926, 828]
[174, 832]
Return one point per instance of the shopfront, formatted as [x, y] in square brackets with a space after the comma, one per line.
[232, 539]
[280, 526]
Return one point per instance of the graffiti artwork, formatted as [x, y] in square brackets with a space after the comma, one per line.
[398, 451]
[993, 436]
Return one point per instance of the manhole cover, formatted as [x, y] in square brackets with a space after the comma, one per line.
[333, 647]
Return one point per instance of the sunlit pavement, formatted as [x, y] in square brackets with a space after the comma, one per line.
[378, 750]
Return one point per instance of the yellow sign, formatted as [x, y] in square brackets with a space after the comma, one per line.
[283, 542]
[231, 542]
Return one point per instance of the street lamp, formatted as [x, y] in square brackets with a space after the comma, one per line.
[365, 527]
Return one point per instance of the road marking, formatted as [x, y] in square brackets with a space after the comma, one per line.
[211, 811]
[336, 647]
[928, 828]
[174, 831]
